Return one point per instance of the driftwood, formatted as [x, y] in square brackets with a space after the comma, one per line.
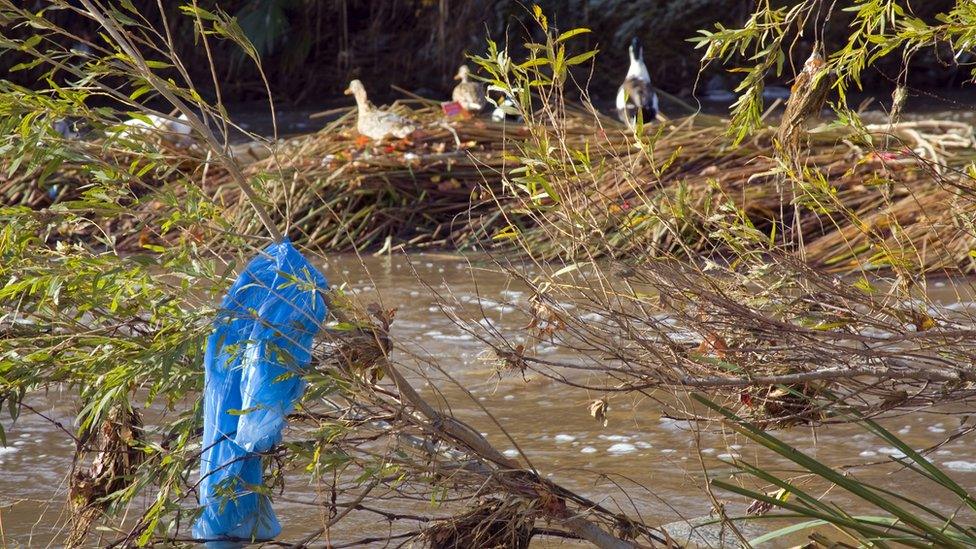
[359, 352]
[114, 445]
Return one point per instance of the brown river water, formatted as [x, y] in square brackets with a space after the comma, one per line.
[656, 460]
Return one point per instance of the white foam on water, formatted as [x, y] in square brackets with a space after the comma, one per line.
[728, 457]
[868, 453]
[511, 452]
[937, 428]
[509, 397]
[668, 450]
[943, 452]
[458, 337]
[708, 451]
[614, 438]
[588, 450]
[643, 445]
[560, 438]
[19, 443]
[961, 466]
[4, 450]
[621, 448]
[674, 424]
[735, 446]
[893, 452]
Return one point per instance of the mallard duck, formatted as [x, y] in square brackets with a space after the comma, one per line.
[375, 123]
[470, 95]
[636, 92]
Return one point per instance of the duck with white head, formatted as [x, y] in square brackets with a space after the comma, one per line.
[636, 93]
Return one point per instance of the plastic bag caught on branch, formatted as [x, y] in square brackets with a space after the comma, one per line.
[261, 342]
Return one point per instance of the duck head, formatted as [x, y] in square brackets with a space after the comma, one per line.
[462, 73]
[637, 68]
[636, 50]
[357, 90]
[354, 88]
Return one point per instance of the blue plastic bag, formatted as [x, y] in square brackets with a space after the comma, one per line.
[261, 343]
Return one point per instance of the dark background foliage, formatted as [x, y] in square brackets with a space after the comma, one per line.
[312, 48]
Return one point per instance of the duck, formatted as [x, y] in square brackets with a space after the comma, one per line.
[470, 95]
[505, 109]
[378, 124]
[173, 130]
[636, 92]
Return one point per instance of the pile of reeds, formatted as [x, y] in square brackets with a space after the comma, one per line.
[859, 202]
[854, 204]
[445, 188]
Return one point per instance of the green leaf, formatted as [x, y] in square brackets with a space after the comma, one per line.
[199, 12]
[581, 58]
[571, 33]
[140, 91]
[540, 17]
[792, 529]
[158, 64]
[31, 42]
[538, 61]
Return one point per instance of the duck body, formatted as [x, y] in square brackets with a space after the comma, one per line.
[470, 95]
[636, 93]
[175, 131]
[378, 124]
[505, 109]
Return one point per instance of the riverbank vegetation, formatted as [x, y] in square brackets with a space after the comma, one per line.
[740, 275]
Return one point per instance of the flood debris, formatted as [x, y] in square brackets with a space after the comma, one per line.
[116, 453]
[491, 524]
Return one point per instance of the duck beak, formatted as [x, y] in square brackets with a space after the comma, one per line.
[347, 91]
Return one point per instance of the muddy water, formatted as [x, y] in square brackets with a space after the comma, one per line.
[655, 459]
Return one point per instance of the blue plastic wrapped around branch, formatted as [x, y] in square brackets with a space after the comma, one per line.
[260, 345]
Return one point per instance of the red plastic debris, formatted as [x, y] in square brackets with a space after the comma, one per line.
[452, 109]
